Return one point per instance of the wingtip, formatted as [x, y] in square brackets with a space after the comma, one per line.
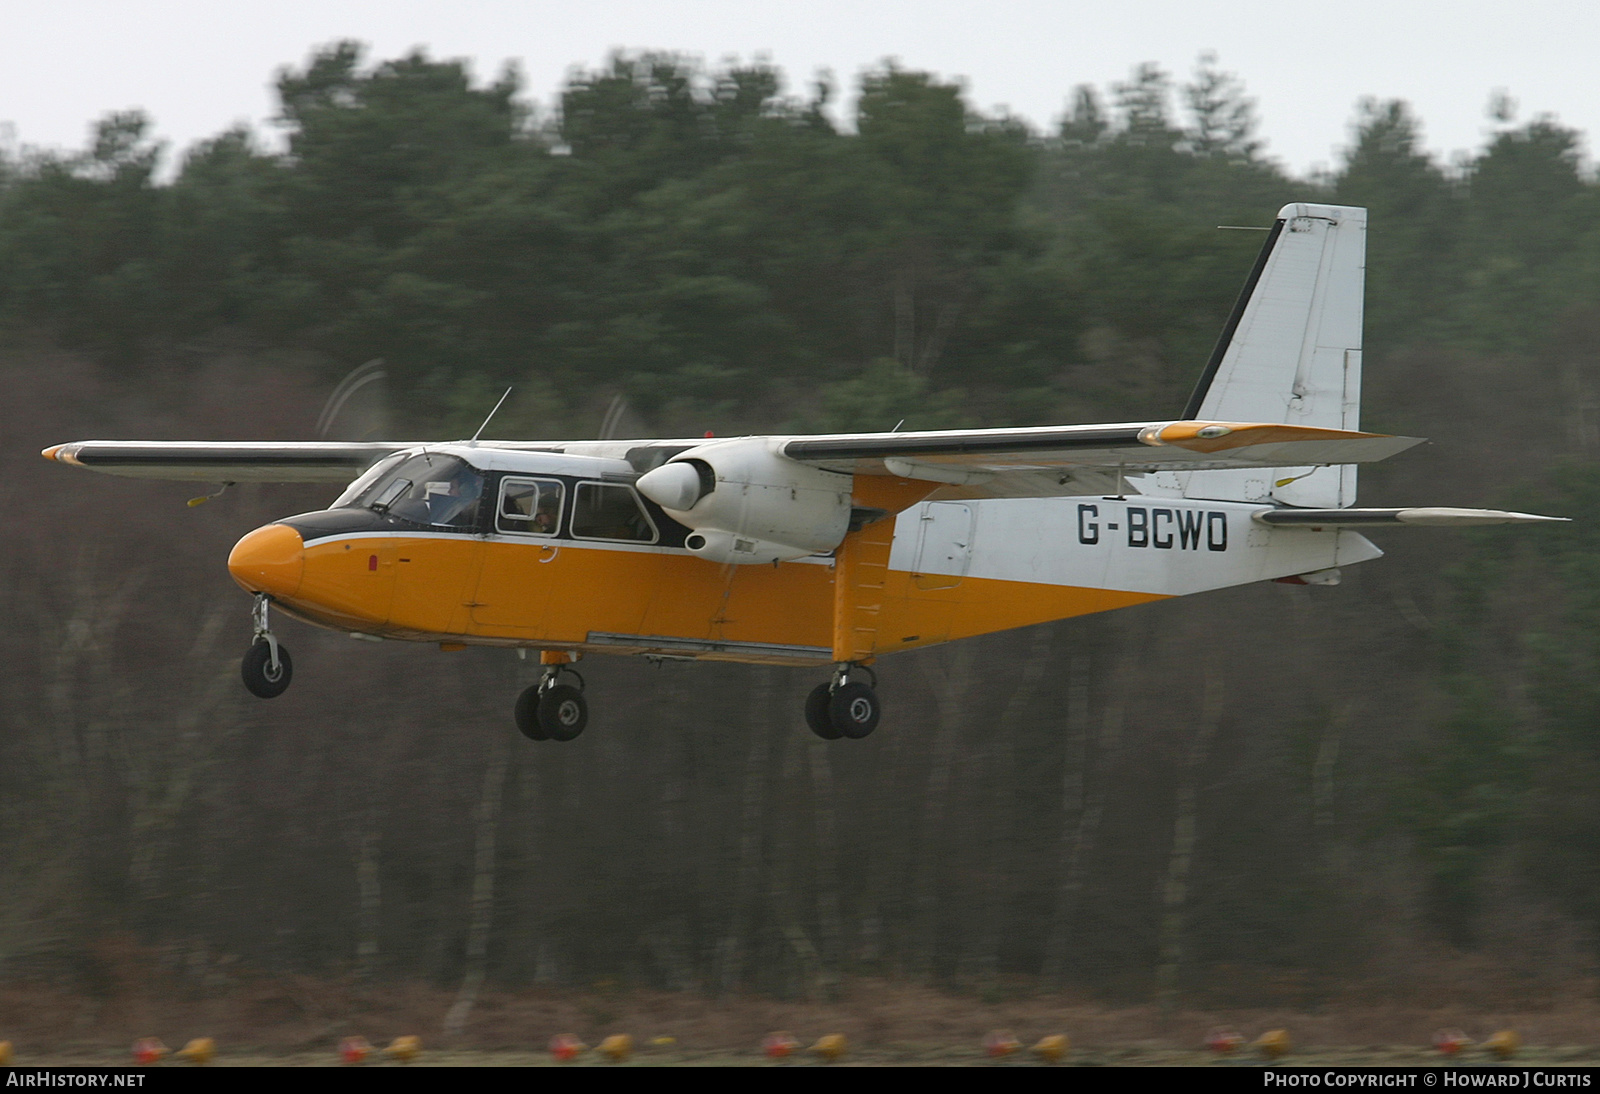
[1508, 517]
[1448, 516]
[63, 453]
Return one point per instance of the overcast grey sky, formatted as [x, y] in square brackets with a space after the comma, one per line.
[198, 66]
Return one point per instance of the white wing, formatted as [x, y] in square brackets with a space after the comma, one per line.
[227, 461]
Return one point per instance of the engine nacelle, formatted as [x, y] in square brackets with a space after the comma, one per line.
[748, 504]
[718, 546]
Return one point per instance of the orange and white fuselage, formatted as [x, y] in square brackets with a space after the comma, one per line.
[939, 570]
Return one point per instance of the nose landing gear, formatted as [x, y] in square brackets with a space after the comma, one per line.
[266, 667]
[550, 710]
[843, 707]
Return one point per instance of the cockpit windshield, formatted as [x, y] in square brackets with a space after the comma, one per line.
[364, 482]
[427, 488]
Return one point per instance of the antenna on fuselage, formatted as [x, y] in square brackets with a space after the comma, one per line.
[487, 420]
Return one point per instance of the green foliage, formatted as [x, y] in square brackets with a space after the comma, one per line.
[1224, 119]
[1564, 816]
[717, 248]
[886, 396]
[1497, 773]
[1462, 797]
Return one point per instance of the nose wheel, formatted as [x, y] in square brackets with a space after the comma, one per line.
[843, 707]
[551, 710]
[266, 667]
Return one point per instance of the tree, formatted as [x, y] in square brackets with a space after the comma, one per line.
[1224, 120]
[1085, 123]
[945, 183]
[1413, 268]
[1529, 246]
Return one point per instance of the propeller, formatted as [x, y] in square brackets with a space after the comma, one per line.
[612, 421]
[358, 409]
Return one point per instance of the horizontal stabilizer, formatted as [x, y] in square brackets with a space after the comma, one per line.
[1433, 516]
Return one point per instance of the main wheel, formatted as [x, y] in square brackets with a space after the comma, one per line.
[260, 677]
[817, 713]
[527, 715]
[854, 710]
[563, 712]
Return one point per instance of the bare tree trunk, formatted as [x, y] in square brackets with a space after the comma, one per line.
[1069, 851]
[1322, 785]
[666, 933]
[369, 895]
[1332, 868]
[1175, 893]
[783, 896]
[934, 347]
[483, 877]
[1084, 839]
[526, 849]
[1001, 830]
[950, 685]
[165, 773]
[830, 920]
[735, 943]
[70, 614]
[879, 862]
[905, 318]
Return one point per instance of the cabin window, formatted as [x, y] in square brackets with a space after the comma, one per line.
[428, 488]
[604, 510]
[529, 507]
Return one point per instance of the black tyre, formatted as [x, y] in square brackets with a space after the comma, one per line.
[817, 713]
[527, 715]
[260, 677]
[854, 710]
[563, 712]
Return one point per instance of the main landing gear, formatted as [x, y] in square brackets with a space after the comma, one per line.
[551, 710]
[843, 707]
[266, 668]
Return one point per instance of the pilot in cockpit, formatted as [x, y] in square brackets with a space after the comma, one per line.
[452, 501]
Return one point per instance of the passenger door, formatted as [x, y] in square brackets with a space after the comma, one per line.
[516, 577]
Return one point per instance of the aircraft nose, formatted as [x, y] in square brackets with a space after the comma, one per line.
[269, 560]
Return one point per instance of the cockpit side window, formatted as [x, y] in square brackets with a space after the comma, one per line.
[428, 489]
[604, 510]
[529, 507]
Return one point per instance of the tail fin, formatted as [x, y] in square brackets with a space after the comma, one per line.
[1291, 353]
